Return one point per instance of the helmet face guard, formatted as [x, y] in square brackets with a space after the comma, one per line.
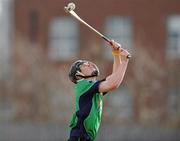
[75, 67]
[96, 71]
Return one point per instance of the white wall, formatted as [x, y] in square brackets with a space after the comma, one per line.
[5, 37]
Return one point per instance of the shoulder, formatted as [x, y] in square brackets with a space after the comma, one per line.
[84, 82]
[83, 85]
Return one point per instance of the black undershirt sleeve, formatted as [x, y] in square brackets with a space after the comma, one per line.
[95, 88]
[104, 93]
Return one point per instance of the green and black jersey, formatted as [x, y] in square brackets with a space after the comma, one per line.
[88, 110]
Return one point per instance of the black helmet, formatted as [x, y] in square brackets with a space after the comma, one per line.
[75, 67]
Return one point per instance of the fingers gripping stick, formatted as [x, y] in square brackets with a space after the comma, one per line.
[70, 9]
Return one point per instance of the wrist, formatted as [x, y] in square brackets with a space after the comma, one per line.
[116, 53]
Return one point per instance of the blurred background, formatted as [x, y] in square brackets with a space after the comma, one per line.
[39, 42]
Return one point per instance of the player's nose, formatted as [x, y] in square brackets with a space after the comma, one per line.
[87, 63]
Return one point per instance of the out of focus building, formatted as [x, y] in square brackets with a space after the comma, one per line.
[149, 29]
[5, 37]
[39, 41]
[6, 24]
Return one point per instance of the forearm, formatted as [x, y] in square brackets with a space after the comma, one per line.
[117, 76]
[119, 65]
[116, 63]
[114, 80]
[122, 70]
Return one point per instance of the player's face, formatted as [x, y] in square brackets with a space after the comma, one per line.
[87, 68]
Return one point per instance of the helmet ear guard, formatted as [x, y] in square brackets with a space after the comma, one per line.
[79, 74]
[75, 67]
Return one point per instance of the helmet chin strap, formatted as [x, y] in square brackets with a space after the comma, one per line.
[87, 76]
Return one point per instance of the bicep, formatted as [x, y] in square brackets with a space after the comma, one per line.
[106, 86]
[98, 87]
[102, 86]
[93, 89]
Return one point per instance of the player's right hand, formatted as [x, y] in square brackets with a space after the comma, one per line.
[117, 47]
[114, 45]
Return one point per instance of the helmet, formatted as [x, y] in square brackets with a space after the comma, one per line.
[75, 67]
[73, 70]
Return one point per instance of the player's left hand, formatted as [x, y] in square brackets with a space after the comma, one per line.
[117, 48]
[114, 45]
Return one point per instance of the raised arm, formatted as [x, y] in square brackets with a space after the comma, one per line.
[115, 53]
[120, 63]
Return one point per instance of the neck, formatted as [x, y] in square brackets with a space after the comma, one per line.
[91, 78]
